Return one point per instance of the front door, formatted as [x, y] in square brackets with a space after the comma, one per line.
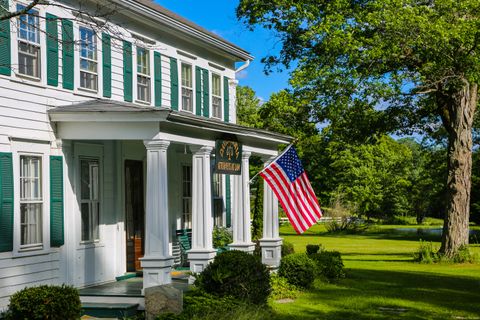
[135, 213]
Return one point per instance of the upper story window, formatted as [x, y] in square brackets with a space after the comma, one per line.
[143, 74]
[88, 59]
[31, 201]
[216, 96]
[187, 87]
[29, 43]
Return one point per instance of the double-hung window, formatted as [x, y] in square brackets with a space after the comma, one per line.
[216, 96]
[29, 43]
[90, 198]
[187, 88]
[187, 197]
[143, 74]
[88, 59]
[31, 202]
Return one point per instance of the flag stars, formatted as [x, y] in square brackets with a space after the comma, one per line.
[291, 164]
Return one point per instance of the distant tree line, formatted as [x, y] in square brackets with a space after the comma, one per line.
[371, 174]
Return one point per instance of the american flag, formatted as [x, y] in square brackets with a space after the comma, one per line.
[289, 181]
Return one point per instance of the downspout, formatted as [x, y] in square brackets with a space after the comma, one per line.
[243, 66]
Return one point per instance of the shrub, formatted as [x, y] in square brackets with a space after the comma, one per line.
[426, 253]
[314, 248]
[46, 302]
[347, 225]
[287, 248]
[329, 264]
[281, 288]
[221, 237]
[298, 269]
[237, 274]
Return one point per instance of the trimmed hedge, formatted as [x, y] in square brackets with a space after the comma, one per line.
[298, 269]
[236, 274]
[45, 302]
[330, 264]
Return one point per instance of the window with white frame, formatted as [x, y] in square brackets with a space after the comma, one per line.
[216, 96]
[187, 196]
[217, 199]
[88, 59]
[28, 36]
[31, 201]
[143, 74]
[90, 199]
[187, 87]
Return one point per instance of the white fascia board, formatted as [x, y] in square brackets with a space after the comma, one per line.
[177, 25]
[108, 117]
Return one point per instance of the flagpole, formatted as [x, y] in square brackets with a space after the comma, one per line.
[270, 163]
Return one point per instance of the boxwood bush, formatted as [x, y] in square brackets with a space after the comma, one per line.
[236, 274]
[298, 269]
[287, 248]
[329, 264]
[45, 302]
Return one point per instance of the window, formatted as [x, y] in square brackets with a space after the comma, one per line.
[88, 59]
[31, 201]
[216, 96]
[29, 43]
[187, 88]
[187, 197]
[90, 198]
[217, 199]
[143, 74]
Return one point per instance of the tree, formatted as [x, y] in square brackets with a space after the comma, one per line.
[415, 62]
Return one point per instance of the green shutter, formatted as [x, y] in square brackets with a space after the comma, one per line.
[127, 72]
[198, 86]
[6, 202]
[67, 50]
[206, 94]
[107, 65]
[56, 201]
[52, 50]
[226, 100]
[228, 201]
[174, 83]
[157, 69]
[5, 54]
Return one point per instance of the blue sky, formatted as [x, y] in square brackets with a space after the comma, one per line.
[219, 17]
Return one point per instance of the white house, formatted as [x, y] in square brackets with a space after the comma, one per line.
[107, 144]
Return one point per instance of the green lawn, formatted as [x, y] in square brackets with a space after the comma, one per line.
[382, 280]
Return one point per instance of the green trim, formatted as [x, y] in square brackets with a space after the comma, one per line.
[226, 100]
[174, 83]
[5, 47]
[56, 202]
[157, 67]
[127, 72]
[67, 54]
[206, 94]
[198, 90]
[52, 49]
[6, 202]
[107, 65]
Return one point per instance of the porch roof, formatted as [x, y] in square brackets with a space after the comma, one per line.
[170, 121]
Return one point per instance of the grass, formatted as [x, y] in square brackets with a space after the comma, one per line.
[382, 280]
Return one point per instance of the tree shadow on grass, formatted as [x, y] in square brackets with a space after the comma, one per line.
[381, 294]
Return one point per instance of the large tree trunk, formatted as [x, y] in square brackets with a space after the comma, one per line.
[458, 109]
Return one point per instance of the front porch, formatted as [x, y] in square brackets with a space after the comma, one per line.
[156, 145]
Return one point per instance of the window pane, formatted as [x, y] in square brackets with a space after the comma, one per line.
[85, 211]
[28, 59]
[186, 75]
[30, 223]
[143, 88]
[216, 89]
[143, 65]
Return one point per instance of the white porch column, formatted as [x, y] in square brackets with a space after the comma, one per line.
[242, 234]
[157, 262]
[202, 251]
[271, 243]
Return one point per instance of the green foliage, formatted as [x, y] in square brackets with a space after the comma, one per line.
[426, 253]
[287, 248]
[45, 302]
[298, 269]
[237, 274]
[346, 225]
[221, 237]
[281, 288]
[329, 264]
[313, 248]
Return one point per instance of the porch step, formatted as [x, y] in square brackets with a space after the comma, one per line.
[109, 310]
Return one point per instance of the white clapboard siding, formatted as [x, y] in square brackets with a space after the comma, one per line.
[166, 84]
